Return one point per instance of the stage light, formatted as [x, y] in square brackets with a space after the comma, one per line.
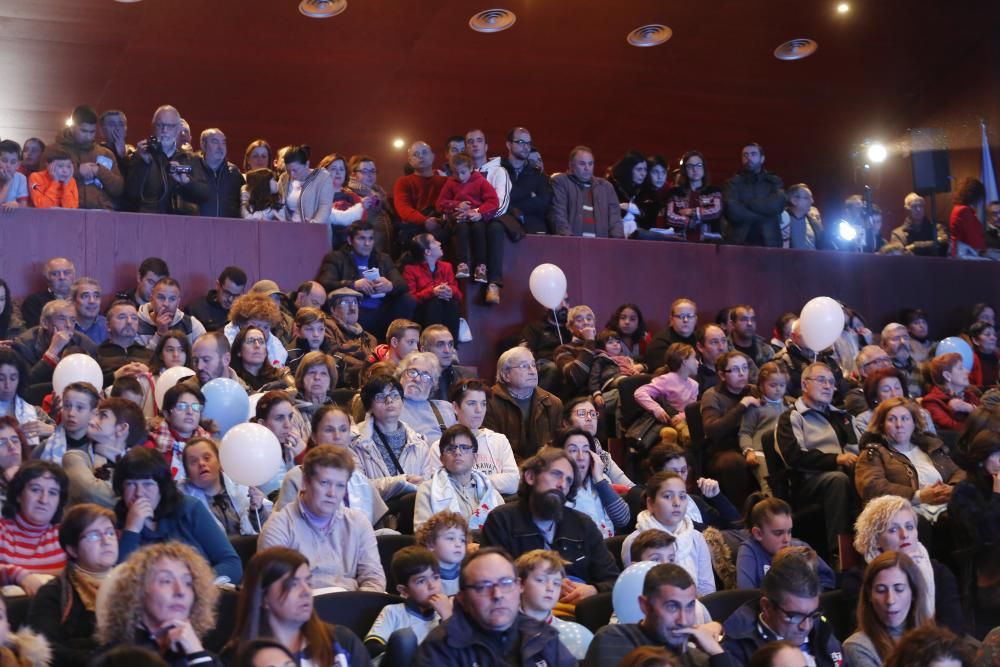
[843, 8]
[398, 143]
[877, 152]
[846, 231]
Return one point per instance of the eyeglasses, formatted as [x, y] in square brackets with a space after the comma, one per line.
[694, 165]
[795, 618]
[505, 585]
[684, 317]
[739, 370]
[165, 126]
[524, 366]
[184, 407]
[368, 172]
[254, 341]
[415, 374]
[98, 535]
[454, 449]
[392, 396]
[13, 442]
[823, 380]
[522, 142]
[881, 362]
[586, 414]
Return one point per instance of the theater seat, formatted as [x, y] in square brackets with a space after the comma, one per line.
[696, 449]
[356, 610]
[388, 545]
[722, 604]
[614, 545]
[225, 621]
[809, 522]
[246, 547]
[838, 613]
[17, 611]
[594, 612]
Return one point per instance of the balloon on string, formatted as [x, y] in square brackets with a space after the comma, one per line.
[548, 285]
[628, 588]
[226, 403]
[821, 322]
[957, 345]
[168, 379]
[250, 454]
[76, 368]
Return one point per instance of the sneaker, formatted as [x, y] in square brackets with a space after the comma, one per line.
[480, 274]
[493, 295]
[463, 271]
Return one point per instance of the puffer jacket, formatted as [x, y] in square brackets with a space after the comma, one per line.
[109, 184]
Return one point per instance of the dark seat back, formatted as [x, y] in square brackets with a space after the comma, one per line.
[614, 545]
[594, 612]
[387, 546]
[838, 613]
[356, 610]
[696, 449]
[245, 546]
[722, 604]
[778, 477]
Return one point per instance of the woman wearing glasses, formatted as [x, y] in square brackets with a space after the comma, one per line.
[694, 208]
[457, 486]
[152, 510]
[418, 374]
[251, 363]
[182, 406]
[63, 609]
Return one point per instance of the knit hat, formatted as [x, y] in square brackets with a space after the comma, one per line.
[265, 287]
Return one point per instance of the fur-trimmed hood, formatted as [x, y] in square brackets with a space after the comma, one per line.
[24, 648]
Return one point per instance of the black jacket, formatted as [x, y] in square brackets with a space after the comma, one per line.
[530, 198]
[31, 308]
[70, 631]
[754, 200]
[223, 200]
[31, 347]
[339, 270]
[150, 188]
[744, 635]
[614, 642]
[449, 377]
[656, 351]
[208, 310]
[460, 642]
[542, 338]
[111, 357]
[577, 540]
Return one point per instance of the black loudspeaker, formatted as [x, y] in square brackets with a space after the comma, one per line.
[929, 158]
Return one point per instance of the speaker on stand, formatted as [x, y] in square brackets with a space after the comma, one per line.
[929, 161]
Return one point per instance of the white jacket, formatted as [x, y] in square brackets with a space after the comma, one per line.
[438, 494]
[588, 502]
[494, 458]
[150, 341]
[361, 495]
[500, 180]
[416, 459]
[238, 493]
[692, 550]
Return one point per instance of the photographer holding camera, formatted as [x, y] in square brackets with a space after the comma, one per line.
[160, 178]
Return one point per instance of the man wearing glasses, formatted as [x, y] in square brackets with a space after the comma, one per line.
[530, 191]
[796, 356]
[527, 414]
[818, 442]
[788, 609]
[895, 341]
[161, 174]
[486, 626]
[418, 374]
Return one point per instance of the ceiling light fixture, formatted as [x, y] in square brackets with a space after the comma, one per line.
[398, 143]
[653, 34]
[843, 8]
[796, 49]
[322, 9]
[492, 20]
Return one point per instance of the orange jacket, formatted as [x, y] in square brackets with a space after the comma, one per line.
[46, 192]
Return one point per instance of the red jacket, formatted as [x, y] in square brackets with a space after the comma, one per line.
[422, 283]
[966, 227]
[477, 191]
[936, 403]
[414, 194]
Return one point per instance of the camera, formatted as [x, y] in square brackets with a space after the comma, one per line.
[180, 169]
[153, 144]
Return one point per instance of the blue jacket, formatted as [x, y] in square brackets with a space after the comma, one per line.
[745, 634]
[193, 524]
[752, 563]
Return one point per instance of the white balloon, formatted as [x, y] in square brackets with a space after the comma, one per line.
[820, 323]
[76, 368]
[548, 285]
[250, 454]
[168, 379]
[628, 588]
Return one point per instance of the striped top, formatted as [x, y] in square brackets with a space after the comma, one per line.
[30, 547]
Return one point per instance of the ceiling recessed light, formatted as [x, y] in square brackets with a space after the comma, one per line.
[796, 49]
[649, 35]
[843, 8]
[322, 9]
[492, 20]
[398, 143]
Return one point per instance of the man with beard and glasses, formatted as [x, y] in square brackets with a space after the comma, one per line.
[541, 520]
[669, 606]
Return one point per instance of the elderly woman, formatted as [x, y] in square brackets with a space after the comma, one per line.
[250, 362]
[14, 450]
[316, 377]
[527, 414]
[162, 598]
[238, 509]
[880, 385]
[457, 486]
[394, 456]
[418, 374]
[152, 510]
[63, 609]
[182, 406]
[29, 536]
[898, 458]
[595, 496]
[891, 603]
[306, 193]
[889, 523]
[951, 399]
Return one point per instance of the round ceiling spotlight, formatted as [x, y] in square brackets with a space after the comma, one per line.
[492, 20]
[653, 34]
[796, 49]
[322, 9]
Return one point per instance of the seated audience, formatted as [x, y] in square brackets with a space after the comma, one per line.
[527, 414]
[212, 310]
[315, 379]
[424, 605]
[694, 206]
[251, 363]
[414, 195]
[306, 193]
[967, 237]
[573, 358]
[310, 335]
[374, 198]
[854, 336]
[890, 605]
[542, 337]
[259, 198]
[595, 496]
[337, 541]
[437, 340]
[683, 322]
[487, 613]
[172, 351]
[354, 344]
[59, 274]
[32, 510]
[881, 385]
[928, 646]
[788, 608]
[669, 605]
[431, 283]
[895, 340]
[63, 609]
[276, 411]
[41, 347]
[782, 330]
[55, 187]
[707, 506]
[86, 296]
[182, 407]
[801, 223]
[446, 535]
[781, 653]
[722, 409]
[666, 510]
[541, 573]
[796, 356]
[14, 451]
[653, 194]
[210, 358]
[238, 509]
[580, 413]
[276, 602]
[627, 321]
[162, 598]
[401, 338]
[258, 310]
[711, 343]
[743, 336]
[673, 390]
[78, 406]
[152, 510]
[759, 422]
[986, 358]
[583, 204]
[918, 234]
[540, 519]
[258, 155]
[163, 314]
[900, 459]
[628, 176]
[33, 421]
[99, 182]
[34, 152]
[921, 344]
[456, 486]
[13, 184]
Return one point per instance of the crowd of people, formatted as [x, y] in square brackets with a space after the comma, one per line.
[701, 447]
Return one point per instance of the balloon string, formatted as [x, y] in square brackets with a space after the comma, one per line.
[555, 316]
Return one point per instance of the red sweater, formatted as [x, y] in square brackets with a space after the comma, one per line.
[965, 227]
[422, 283]
[30, 547]
[477, 191]
[413, 194]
